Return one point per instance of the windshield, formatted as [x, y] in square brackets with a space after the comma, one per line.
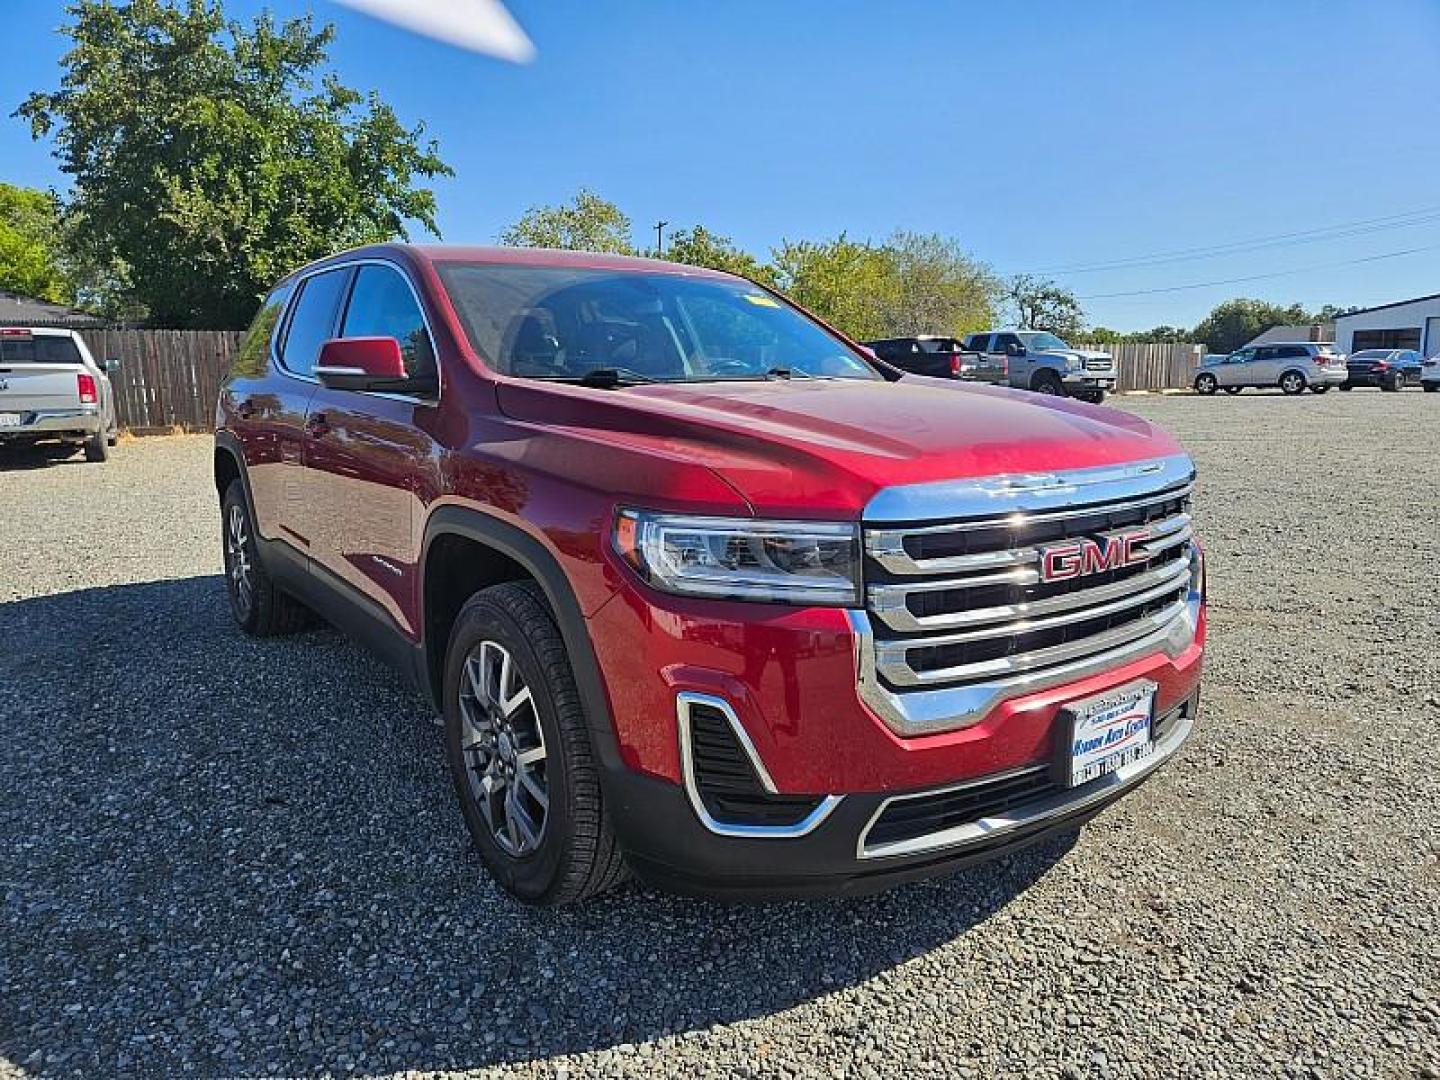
[1041, 341]
[560, 323]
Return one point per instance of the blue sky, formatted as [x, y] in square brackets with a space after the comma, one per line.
[1040, 134]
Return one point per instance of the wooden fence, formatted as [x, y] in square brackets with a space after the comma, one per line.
[170, 378]
[167, 378]
[1153, 367]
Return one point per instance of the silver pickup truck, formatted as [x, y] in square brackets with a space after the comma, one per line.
[51, 388]
[1040, 361]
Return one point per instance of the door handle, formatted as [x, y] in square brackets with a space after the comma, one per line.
[316, 426]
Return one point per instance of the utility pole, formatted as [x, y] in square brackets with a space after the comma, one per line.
[660, 237]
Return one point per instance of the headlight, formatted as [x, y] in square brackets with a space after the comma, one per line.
[785, 562]
[1074, 363]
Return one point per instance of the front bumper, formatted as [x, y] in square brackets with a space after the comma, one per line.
[1089, 380]
[668, 846]
[44, 423]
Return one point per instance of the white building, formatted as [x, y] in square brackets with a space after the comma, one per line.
[1407, 324]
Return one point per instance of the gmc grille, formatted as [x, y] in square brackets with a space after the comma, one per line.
[961, 602]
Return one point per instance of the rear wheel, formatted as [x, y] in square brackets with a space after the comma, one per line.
[97, 447]
[519, 751]
[1430, 387]
[1292, 383]
[258, 604]
[1346, 387]
[1392, 384]
[1206, 384]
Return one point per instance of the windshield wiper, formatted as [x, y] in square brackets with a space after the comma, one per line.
[613, 376]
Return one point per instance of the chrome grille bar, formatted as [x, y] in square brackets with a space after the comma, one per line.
[890, 656]
[887, 546]
[889, 602]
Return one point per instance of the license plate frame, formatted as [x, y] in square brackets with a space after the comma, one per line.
[1106, 732]
[11, 419]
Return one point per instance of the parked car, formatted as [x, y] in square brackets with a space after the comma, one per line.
[1389, 369]
[1040, 361]
[698, 590]
[1293, 366]
[1430, 374]
[927, 354]
[52, 390]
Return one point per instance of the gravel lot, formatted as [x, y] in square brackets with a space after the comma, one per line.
[222, 857]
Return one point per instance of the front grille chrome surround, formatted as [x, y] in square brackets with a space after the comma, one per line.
[958, 618]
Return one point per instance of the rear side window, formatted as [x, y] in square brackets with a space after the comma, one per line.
[43, 349]
[1292, 352]
[383, 305]
[977, 342]
[312, 322]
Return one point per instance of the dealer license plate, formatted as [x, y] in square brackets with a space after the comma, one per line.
[9, 419]
[1110, 731]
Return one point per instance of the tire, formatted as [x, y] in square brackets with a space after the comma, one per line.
[1206, 384]
[1232, 390]
[1292, 383]
[509, 696]
[1321, 389]
[1047, 382]
[97, 447]
[260, 608]
[1391, 385]
[1430, 387]
[1346, 387]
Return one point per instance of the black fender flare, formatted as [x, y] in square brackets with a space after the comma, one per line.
[227, 443]
[537, 560]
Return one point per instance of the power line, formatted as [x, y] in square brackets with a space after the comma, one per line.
[1258, 277]
[1343, 231]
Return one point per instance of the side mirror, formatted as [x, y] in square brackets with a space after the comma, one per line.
[1014, 350]
[111, 366]
[362, 363]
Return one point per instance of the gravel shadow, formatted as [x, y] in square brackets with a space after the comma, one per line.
[222, 856]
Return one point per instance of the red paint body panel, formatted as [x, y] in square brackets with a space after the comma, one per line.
[349, 481]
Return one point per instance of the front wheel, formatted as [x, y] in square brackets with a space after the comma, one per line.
[1206, 384]
[1292, 383]
[1047, 382]
[519, 751]
[1430, 387]
[260, 607]
[1346, 387]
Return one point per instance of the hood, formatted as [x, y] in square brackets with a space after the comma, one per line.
[822, 448]
[1081, 354]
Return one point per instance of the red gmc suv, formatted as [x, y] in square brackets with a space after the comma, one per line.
[701, 588]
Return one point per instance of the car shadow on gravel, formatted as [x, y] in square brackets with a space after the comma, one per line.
[237, 857]
[15, 458]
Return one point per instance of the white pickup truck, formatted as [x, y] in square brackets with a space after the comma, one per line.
[51, 388]
[1040, 361]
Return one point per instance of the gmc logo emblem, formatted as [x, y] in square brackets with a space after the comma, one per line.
[1078, 558]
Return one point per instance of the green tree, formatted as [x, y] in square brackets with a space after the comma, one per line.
[1233, 323]
[210, 157]
[849, 284]
[937, 287]
[701, 247]
[1040, 304]
[586, 223]
[31, 261]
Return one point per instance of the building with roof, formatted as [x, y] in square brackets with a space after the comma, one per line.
[16, 309]
[1324, 331]
[1405, 324]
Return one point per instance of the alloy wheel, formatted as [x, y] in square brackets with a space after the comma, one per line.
[237, 559]
[504, 749]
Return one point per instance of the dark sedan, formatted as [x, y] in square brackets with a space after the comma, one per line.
[1389, 369]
